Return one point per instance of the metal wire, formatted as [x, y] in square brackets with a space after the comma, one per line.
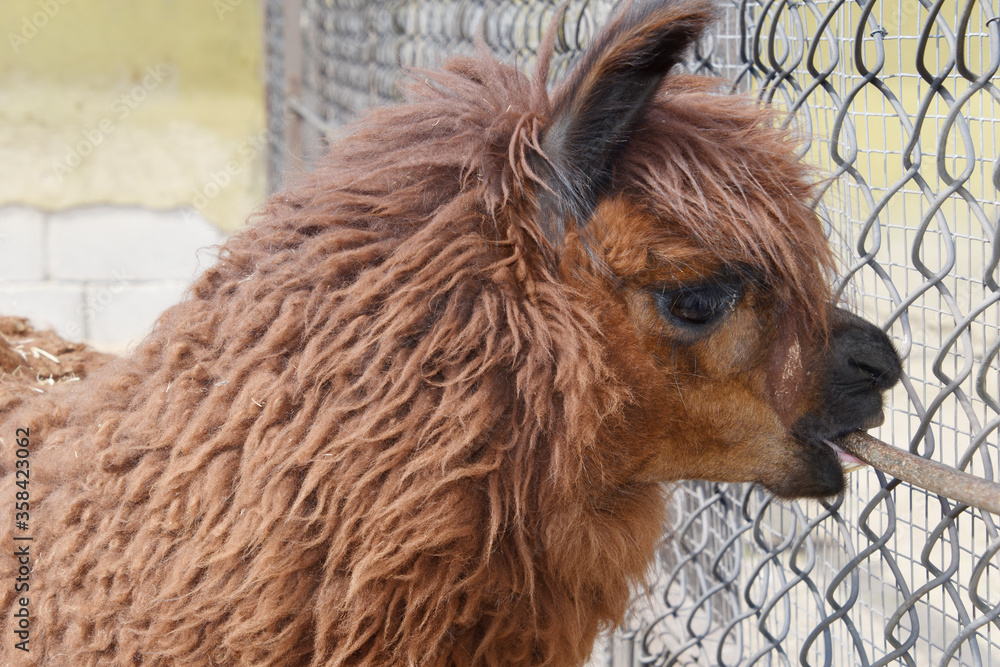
[897, 103]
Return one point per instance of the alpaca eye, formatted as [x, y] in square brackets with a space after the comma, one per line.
[698, 305]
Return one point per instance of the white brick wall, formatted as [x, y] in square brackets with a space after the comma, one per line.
[102, 274]
[22, 244]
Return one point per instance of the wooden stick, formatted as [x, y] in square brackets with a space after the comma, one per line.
[930, 475]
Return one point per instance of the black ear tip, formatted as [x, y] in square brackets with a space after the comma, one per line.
[707, 8]
[645, 37]
[691, 16]
[596, 108]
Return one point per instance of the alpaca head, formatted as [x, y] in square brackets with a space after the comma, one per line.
[693, 211]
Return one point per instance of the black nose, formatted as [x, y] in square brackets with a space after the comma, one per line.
[861, 363]
[861, 351]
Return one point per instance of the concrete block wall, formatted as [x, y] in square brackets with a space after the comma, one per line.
[100, 274]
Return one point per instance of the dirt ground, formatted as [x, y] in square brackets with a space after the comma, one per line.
[32, 360]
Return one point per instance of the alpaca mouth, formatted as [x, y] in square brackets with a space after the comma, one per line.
[848, 461]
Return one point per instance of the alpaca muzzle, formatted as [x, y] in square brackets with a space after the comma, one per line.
[859, 364]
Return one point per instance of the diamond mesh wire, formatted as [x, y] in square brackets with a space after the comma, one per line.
[898, 107]
[277, 146]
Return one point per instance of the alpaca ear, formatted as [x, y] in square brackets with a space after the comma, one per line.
[596, 108]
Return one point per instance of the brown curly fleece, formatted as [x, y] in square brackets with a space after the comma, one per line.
[394, 425]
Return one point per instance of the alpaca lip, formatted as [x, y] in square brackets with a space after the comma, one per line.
[848, 462]
[874, 421]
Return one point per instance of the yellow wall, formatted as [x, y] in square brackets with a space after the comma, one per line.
[211, 43]
[133, 101]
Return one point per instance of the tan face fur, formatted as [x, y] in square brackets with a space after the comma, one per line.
[717, 402]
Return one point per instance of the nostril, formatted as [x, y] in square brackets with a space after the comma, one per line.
[880, 367]
[864, 353]
[870, 371]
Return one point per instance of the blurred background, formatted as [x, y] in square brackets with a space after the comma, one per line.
[131, 134]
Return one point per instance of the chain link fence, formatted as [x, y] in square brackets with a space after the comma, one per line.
[898, 105]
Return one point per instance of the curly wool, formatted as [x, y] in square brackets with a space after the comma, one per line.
[383, 430]
[340, 448]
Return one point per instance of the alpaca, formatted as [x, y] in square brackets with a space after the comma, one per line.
[423, 410]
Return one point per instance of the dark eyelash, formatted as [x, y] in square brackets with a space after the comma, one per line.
[696, 306]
